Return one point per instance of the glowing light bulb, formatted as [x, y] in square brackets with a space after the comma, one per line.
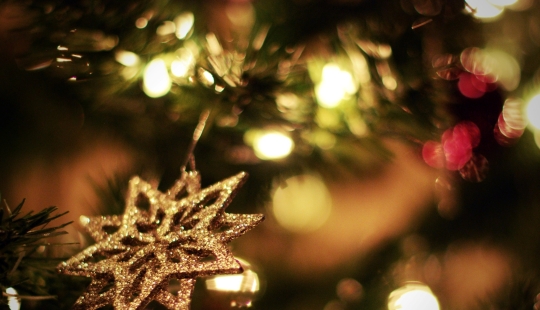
[184, 23]
[141, 22]
[126, 58]
[156, 80]
[240, 288]
[84, 220]
[273, 145]
[335, 85]
[303, 205]
[484, 9]
[533, 111]
[413, 296]
[206, 78]
[14, 303]
[248, 281]
[179, 68]
[166, 28]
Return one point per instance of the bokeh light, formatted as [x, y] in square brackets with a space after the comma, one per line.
[246, 281]
[184, 24]
[303, 205]
[511, 123]
[84, 220]
[272, 145]
[241, 288]
[533, 112]
[491, 66]
[470, 86]
[458, 143]
[205, 77]
[349, 290]
[141, 22]
[166, 28]
[484, 9]
[413, 296]
[156, 80]
[433, 154]
[128, 59]
[335, 85]
[181, 66]
[14, 303]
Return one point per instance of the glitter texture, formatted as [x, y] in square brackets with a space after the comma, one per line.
[179, 235]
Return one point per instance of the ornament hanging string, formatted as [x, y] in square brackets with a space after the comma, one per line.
[190, 159]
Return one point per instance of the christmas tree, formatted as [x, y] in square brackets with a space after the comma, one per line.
[393, 147]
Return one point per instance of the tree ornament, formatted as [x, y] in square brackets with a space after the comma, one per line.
[182, 235]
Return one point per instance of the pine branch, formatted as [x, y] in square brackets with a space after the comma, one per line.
[21, 265]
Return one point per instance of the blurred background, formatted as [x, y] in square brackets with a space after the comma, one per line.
[394, 146]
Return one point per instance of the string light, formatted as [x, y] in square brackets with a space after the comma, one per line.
[166, 28]
[205, 77]
[272, 145]
[533, 112]
[413, 296]
[156, 80]
[483, 9]
[241, 289]
[128, 59]
[14, 303]
[302, 206]
[184, 24]
[335, 85]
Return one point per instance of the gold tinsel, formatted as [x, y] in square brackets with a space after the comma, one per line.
[138, 253]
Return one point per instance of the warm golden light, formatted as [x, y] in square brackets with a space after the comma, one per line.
[184, 62]
[179, 68]
[492, 65]
[413, 296]
[213, 45]
[272, 145]
[241, 288]
[248, 281]
[205, 77]
[287, 101]
[303, 205]
[533, 112]
[128, 59]
[184, 23]
[14, 303]
[484, 9]
[156, 80]
[335, 85]
[141, 22]
[84, 220]
[166, 28]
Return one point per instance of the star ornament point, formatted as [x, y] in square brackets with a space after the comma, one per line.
[161, 237]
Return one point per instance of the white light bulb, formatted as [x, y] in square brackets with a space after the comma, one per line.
[156, 80]
[273, 145]
[533, 111]
[413, 296]
[184, 23]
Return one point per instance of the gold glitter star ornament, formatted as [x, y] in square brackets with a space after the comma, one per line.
[161, 238]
